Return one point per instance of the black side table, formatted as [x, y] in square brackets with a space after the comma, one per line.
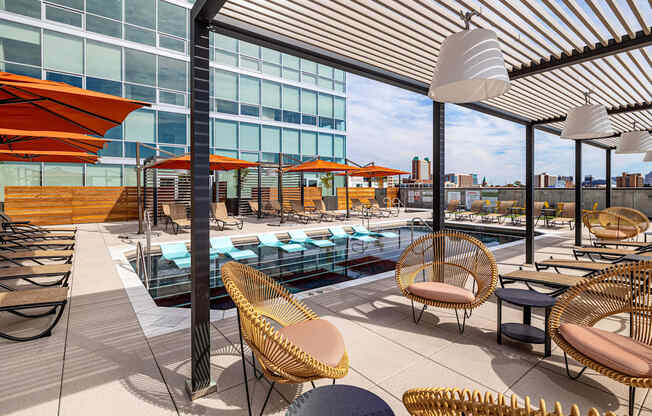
[340, 400]
[524, 332]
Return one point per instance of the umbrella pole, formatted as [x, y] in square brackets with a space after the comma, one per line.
[140, 205]
[303, 196]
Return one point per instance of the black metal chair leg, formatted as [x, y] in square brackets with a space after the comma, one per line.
[414, 317]
[568, 373]
[333, 381]
[632, 400]
[461, 327]
[313, 384]
[46, 333]
[244, 366]
[269, 393]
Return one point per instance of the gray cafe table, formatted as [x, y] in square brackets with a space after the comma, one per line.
[339, 400]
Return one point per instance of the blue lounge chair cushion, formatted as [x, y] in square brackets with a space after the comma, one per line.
[365, 238]
[321, 243]
[291, 248]
[338, 233]
[173, 251]
[300, 237]
[225, 246]
[182, 263]
[270, 240]
[241, 254]
[361, 230]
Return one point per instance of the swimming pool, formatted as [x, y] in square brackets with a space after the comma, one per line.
[312, 268]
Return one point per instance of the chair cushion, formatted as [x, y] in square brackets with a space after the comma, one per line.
[442, 292]
[610, 234]
[317, 337]
[614, 351]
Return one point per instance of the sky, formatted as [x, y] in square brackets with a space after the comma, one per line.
[390, 126]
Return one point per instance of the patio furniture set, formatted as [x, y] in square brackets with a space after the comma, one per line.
[503, 211]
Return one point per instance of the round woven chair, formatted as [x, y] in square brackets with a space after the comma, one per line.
[288, 340]
[609, 225]
[637, 217]
[456, 402]
[435, 269]
[622, 289]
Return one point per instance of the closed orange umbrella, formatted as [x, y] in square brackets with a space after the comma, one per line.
[216, 162]
[374, 171]
[49, 140]
[46, 156]
[26, 102]
[320, 166]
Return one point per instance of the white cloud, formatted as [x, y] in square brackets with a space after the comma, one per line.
[390, 126]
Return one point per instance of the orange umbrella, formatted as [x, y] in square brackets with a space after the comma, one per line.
[49, 140]
[374, 171]
[320, 166]
[26, 101]
[46, 156]
[216, 163]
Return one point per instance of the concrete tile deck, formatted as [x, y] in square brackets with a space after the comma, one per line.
[104, 357]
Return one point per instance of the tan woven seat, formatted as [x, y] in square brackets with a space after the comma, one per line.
[222, 218]
[565, 214]
[20, 301]
[503, 210]
[622, 289]
[303, 348]
[457, 402]
[33, 296]
[435, 269]
[611, 225]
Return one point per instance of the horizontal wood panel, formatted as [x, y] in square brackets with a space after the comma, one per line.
[362, 194]
[51, 205]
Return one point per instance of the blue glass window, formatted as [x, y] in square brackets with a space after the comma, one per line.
[104, 85]
[176, 150]
[172, 128]
[112, 149]
[228, 107]
[130, 151]
[291, 117]
[68, 79]
[140, 93]
[272, 114]
[325, 122]
[114, 133]
[249, 110]
[310, 120]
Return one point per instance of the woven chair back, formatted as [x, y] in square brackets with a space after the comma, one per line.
[476, 206]
[635, 216]
[504, 207]
[567, 210]
[178, 212]
[456, 402]
[453, 204]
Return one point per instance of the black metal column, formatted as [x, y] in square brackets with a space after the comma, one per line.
[280, 186]
[578, 193]
[346, 190]
[529, 194]
[260, 189]
[200, 382]
[438, 136]
[607, 178]
[302, 190]
[239, 191]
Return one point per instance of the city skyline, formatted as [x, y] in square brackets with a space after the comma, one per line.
[383, 117]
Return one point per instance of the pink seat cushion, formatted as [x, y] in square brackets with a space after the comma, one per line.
[442, 292]
[614, 351]
[317, 337]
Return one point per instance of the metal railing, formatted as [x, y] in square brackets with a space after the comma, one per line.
[416, 220]
[144, 256]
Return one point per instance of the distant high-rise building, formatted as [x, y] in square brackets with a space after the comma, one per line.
[475, 179]
[461, 180]
[629, 180]
[421, 170]
[544, 180]
[648, 179]
[588, 180]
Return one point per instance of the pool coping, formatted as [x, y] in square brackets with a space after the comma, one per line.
[159, 320]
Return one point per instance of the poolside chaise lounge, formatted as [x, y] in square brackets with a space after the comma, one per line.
[357, 207]
[178, 254]
[377, 210]
[175, 215]
[26, 226]
[40, 244]
[474, 210]
[565, 215]
[320, 208]
[591, 267]
[270, 240]
[222, 217]
[503, 210]
[361, 230]
[27, 234]
[622, 292]
[452, 208]
[300, 237]
[33, 274]
[456, 402]
[606, 253]
[537, 214]
[17, 256]
[288, 341]
[338, 233]
[224, 245]
[299, 211]
[560, 282]
[19, 301]
[437, 270]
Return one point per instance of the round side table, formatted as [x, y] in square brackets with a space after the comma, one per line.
[524, 332]
[341, 400]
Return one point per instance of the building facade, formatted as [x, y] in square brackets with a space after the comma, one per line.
[263, 103]
[544, 180]
[629, 180]
[421, 170]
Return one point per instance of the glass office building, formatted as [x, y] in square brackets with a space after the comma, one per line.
[263, 102]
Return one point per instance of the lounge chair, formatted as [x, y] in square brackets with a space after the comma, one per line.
[300, 237]
[19, 301]
[288, 341]
[456, 402]
[376, 210]
[224, 245]
[435, 270]
[38, 244]
[175, 215]
[609, 254]
[301, 214]
[320, 208]
[361, 230]
[452, 208]
[33, 274]
[565, 215]
[18, 256]
[357, 207]
[503, 210]
[27, 226]
[178, 254]
[635, 244]
[590, 267]
[270, 240]
[255, 209]
[222, 217]
[338, 233]
[537, 214]
[622, 291]
[476, 209]
[560, 282]
[20, 234]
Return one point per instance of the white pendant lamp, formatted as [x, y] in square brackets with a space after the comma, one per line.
[648, 156]
[589, 121]
[635, 141]
[470, 67]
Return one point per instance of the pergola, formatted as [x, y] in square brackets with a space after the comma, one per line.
[553, 53]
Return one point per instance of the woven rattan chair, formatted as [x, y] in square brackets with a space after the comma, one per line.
[565, 214]
[288, 341]
[606, 225]
[637, 217]
[456, 402]
[434, 271]
[619, 290]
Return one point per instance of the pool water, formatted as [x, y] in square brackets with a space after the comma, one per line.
[309, 269]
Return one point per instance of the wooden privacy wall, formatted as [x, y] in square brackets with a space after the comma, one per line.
[310, 193]
[391, 194]
[51, 205]
[362, 194]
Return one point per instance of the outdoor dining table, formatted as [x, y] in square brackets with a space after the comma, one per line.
[339, 400]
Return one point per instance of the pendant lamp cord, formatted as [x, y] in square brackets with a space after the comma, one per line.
[467, 18]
